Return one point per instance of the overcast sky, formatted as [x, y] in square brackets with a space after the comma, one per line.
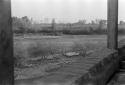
[64, 10]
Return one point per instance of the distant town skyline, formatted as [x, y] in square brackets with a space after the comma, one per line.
[64, 10]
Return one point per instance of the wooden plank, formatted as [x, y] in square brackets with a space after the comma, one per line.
[112, 41]
[6, 44]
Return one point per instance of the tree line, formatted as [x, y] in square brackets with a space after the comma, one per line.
[25, 25]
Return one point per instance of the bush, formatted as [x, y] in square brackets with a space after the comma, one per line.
[38, 49]
[77, 47]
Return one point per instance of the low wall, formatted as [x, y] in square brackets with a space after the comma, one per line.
[101, 72]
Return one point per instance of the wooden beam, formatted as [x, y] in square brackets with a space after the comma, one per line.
[6, 44]
[112, 41]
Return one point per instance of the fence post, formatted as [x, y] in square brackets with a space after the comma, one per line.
[112, 41]
[6, 44]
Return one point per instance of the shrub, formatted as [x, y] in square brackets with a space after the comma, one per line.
[77, 47]
[38, 49]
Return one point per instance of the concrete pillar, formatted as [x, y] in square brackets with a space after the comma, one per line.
[6, 44]
[112, 41]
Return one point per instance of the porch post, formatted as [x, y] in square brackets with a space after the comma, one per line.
[6, 44]
[112, 41]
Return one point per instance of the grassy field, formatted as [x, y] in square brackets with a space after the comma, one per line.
[38, 55]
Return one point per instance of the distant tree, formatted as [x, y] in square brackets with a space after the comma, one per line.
[97, 21]
[104, 21]
[93, 22]
[121, 22]
[21, 24]
[82, 21]
[101, 23]
[53, 24]
[26, 22]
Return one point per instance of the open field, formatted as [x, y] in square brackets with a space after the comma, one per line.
[38, 55]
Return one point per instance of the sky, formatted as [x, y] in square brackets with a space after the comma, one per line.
[64, 10]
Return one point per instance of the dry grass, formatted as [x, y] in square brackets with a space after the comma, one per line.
[49, 52]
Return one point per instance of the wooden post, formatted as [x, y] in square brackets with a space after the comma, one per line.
[6, 44]
[112, 41]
